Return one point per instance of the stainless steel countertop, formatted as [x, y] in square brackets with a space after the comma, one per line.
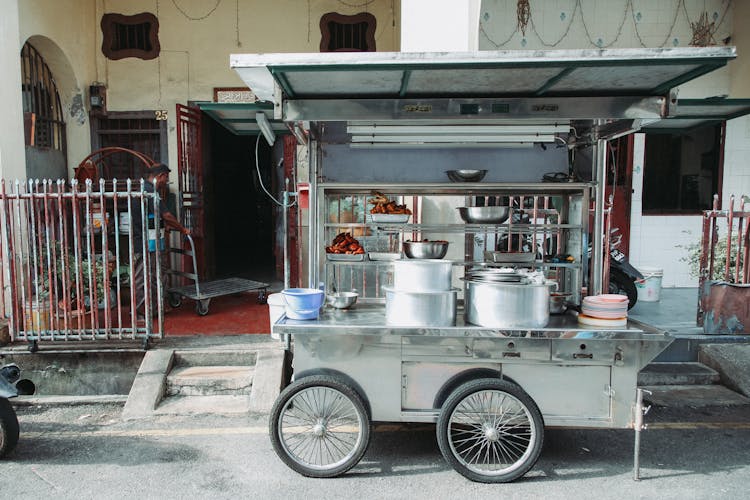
[369, 319]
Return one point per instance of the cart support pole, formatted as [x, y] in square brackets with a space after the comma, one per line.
[640, 411]
[600, 177]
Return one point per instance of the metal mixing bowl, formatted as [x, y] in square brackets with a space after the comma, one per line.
[425, 249]
[484, 215]
[466, 175]
[342, 300]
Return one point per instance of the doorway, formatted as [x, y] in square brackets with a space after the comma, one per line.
[240, 214]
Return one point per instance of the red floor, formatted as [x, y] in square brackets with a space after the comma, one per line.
[228, 315]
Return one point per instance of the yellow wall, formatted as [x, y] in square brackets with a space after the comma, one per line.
[194, 52]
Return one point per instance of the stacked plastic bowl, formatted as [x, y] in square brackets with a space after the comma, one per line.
[303, 303]
[604, 310]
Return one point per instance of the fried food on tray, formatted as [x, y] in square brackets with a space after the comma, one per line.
[345, 243]
[384, 206]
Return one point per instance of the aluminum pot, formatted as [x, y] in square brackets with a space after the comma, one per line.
[506, 305]
[422, 275]
[404, 308]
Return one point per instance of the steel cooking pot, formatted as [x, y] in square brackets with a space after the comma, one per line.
[422, 275]
[409, 308]
[506, 305]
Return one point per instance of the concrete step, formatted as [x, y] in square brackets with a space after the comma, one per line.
[731, 361]
[693, 396]
[687, 373]
[218, 357]
[195, 405]
[210, 381]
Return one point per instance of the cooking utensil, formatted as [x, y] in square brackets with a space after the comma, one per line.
[511, 257]
[430, 308]
[342, 300]
[466, 175]
[425, 249]
[506, 305]
[557, 302]
[422, 275]
[484, 215]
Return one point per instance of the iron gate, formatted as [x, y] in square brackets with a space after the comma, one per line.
[74, 267]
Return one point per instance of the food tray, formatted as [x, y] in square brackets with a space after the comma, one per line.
[346, 257]
[384, 256]
[388, 218]
[521, 257]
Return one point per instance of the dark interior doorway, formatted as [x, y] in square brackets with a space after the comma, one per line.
[241, 215]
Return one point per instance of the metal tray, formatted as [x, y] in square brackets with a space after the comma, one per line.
[389, 218]
[346, 257]
[520, 257]
[384, 256]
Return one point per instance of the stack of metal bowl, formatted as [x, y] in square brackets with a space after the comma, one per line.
[425, 249]
[466, 175]
[484, 215]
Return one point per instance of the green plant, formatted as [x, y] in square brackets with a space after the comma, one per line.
[720, 255]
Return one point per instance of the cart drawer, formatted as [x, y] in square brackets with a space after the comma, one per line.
[584, 351]
[436, 346]
[510, 350]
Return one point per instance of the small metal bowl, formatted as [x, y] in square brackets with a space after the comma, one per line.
[484, 215]
[466, 175]
[342, 300]
[425, 249]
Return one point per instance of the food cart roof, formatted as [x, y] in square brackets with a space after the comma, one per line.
[510, 73]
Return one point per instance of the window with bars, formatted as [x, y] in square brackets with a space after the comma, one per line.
[136, 130]
[130, 36]
[340, 33]
[43, 116]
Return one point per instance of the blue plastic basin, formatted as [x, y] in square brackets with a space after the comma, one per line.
[303, 300]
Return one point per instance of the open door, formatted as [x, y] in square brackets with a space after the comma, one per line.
[190, 179]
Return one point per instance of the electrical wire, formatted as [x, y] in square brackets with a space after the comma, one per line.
[260, 179]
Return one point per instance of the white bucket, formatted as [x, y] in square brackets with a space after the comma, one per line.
[649, 289]
[276, 308]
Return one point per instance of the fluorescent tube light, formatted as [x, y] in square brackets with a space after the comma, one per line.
[457, 129]
[265, 127]
[436, 139]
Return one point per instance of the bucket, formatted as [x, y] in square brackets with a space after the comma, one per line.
[303, 303]
[649, 288]
[276, 307]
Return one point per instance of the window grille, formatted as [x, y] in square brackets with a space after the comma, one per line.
[342, 33]
[43, 115]
[130, 36]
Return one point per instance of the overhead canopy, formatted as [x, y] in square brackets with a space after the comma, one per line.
[512, 74]
[693, 113]
[240, 118]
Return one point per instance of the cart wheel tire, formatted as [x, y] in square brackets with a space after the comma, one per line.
[319, 427]
[8, 428]
[262, 298]
[175, 300]
[490, 431]
[201, 307]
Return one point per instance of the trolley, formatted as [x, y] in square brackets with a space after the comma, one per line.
[202, 293]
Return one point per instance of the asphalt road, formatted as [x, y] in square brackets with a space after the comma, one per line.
[88, 452]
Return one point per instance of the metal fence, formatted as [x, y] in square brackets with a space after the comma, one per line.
[80, 263]
[725, 248]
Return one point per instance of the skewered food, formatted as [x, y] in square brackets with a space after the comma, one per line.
[382, 205]
[345, 243]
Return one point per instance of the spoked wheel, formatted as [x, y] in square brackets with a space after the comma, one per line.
[319, 427]
[8, 427]
[490, 431]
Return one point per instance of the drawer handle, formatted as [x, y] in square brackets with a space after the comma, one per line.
[580, 355]
[511, 354]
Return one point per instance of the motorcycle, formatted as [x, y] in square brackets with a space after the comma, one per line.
[11, 385]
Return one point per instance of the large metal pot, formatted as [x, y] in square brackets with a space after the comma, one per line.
[407, 308]
[506, 305]
[422, 275]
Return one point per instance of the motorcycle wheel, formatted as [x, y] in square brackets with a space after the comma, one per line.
[619, 283]
[8, 428]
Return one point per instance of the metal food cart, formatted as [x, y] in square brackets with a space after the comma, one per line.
[390, 122]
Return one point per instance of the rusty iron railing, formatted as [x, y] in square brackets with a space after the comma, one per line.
[72, 268]
[725, 248]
